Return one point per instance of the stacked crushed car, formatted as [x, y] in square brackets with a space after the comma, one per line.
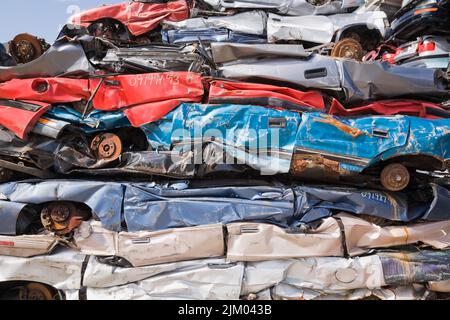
[229, 150]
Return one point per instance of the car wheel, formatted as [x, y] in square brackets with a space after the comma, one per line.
[348, 48]
[36, 291]
[26, 48]
[395, 177]
[63, 217]
[107, 146]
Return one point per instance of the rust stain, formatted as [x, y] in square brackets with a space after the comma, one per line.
[354, 132]
[302, 163]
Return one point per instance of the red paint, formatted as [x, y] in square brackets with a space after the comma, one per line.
[21, 121]
[138, 17]
[147, 97]
[388, 107]
[133, 90]
[7, 243]
[50, 90]
[228, 89]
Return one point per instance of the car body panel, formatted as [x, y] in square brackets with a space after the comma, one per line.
[221, 91]
[135, 207]
[138, 17]
[27, 245]
[149, 248]
[262, 242]
[416, 108]
[209, 35]
[287, 7]
[351, 137]
[252, 22]
[63, 57]
[420, 18]
[21, 117]
[320, 29]
[353, 82]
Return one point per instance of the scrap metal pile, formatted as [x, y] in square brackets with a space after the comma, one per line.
[229, 149]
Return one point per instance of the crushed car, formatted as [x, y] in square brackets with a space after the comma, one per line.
[420, 18]
[351, 82]
[122, 129]
[22, 49]
[426, 52]
[130, 21]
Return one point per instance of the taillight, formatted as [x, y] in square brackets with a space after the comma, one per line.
[425, 10]
[389, 57]
[426, 47]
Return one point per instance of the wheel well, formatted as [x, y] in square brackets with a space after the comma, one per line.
[7, 289]
[369, 37]
[423, 162]
[121, 28]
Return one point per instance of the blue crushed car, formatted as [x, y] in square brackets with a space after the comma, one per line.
[197, 140]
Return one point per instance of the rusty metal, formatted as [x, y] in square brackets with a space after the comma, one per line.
[395, 177]
[26, 48]
[315, 166]
[354, 132]
[36, 291]
[107, 146]
[348, 48]
[63, 217]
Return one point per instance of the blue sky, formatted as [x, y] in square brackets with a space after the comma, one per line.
[40, 17]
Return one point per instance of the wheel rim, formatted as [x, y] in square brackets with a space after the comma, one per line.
[348, 48]
[26, 48]
[63, 217]
[107, 146]
[36, 291]
[395, 177]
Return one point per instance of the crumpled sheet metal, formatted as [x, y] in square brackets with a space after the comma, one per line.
[252, 22]
[259, 242]
[149, 248]
[101, 275]
[327, 274]
[361, 236]
[355, 81]
[287, 7]
[416, 108]
[20, 120]
[228, 52]
[9, 214]
[104, 199]
[288, 292]
[27, 245]
[138, 17]
[206, 280]
[316, 277]
[331, 275]
[314, 203]
[320, 29]
[137, 207]
[148, 207]
[61, 270]
[209, 35]
[63, 58]
[157, 58]
[265, 95]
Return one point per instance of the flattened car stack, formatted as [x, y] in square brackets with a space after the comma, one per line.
[229, 150]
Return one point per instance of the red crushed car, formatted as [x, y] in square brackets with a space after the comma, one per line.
[134, 18]
[143, 98]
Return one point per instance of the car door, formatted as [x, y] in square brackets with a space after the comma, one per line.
[358, 139]
[248, 133]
